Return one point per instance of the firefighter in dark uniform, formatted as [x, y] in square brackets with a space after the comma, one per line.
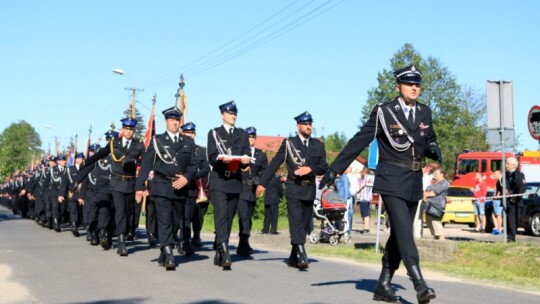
[225, 178]
[197, 200]
[37, 192]
[124, 153]
[246, 204]
[305, 158]
[56, 174]
[95, 193]
[405, 135]
[67, 186]
[170, 157]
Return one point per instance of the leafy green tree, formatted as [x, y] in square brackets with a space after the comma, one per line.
[18, 144]
[459, 113]
[335, 142]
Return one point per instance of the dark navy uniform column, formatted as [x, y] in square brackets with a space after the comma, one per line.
[170, 157]
[405, 135]
[225, 178]
[305, 158]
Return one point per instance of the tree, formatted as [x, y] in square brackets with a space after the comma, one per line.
[18, 144]
[459, 113]
[335, 142]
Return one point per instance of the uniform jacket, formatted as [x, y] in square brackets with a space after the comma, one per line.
[252, 176]
[203, 169]
[515, 184]
[274, 191]
[182, 161]
[221, 178]
[123, 164]
[390, 179]
[300, 187]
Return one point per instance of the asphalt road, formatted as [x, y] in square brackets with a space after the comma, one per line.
[38, 265]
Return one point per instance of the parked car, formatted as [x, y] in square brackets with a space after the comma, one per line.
[529, 209]
[459, 206]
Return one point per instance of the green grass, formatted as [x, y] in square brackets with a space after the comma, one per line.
[513, 264]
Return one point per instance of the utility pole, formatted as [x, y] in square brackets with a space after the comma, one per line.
[134, 91]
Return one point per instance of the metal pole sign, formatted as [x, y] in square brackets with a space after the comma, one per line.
[373, 158]
[534, 122]
[500, 106]
[500, 112]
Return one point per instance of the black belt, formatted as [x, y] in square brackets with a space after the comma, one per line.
[302, 182]
[125, 178]
[172, 179]
[414, 165]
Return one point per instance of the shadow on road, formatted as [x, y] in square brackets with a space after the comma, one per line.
[109, 301]
[362, 284]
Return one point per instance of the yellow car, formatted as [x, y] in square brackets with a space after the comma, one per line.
[459, 206]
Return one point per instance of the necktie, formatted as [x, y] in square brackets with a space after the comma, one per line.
[305, 143]
[230, 131]
[175, 140]
[411, 118]
[126, 146]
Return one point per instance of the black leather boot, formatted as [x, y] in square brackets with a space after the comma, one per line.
[196, 241]
[180, 246]
[423, 292]
[293, 258]
[49, 223]
[169, 262]
[75, 229]
[151, 240]
[243, 247]
[122, 250]
[225, 260]
[188, 250]
[57, 225]
[104, 239]
[303, 261]
[89, 234]
[161, 259]
[94, 237]
[383, 291]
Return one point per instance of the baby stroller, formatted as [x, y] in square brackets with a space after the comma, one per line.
[331, 211]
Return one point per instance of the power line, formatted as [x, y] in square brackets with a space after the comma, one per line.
[278, 33]
[222, 46]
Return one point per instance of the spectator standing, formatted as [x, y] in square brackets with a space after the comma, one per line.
[436, 194]
[516, 184]
[480, 192]
[497, 208]
[343, 186]
[364, 198]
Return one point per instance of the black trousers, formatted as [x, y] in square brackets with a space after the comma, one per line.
[99, 206]
[197, 219]
[225, 205]
[400, 245]
[245, 216]
[300, 215]
[167, 213]
[271, 214]
[512, 213]
[151, 221]
[124, 206]
[52, 206]
[185, 222]
[74, 211]
[39, 208]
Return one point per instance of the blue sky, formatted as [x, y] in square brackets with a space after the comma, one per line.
[274, 58]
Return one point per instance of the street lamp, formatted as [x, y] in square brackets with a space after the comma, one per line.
[118, 71]
[133, 89]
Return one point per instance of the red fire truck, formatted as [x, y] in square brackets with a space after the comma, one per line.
[468, 163]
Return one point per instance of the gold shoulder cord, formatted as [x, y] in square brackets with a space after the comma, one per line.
[116, 160]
